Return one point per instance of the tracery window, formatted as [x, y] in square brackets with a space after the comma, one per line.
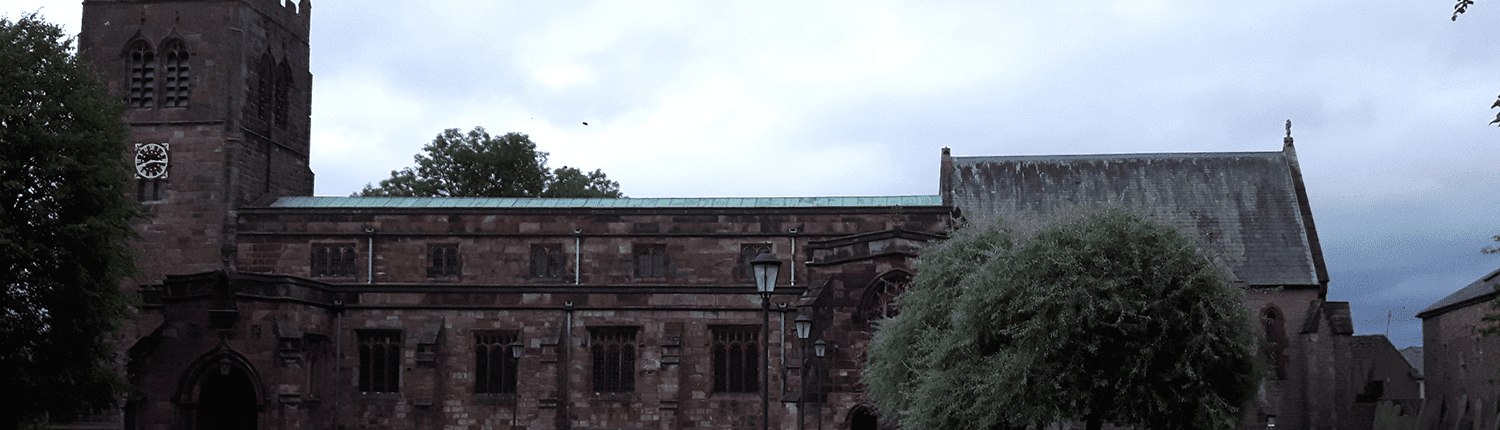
[333, 260]
[546, 260]
[494, 363]
[650, 261]
[175, 74]
[880, 300]
[613, 350]
[736, 365]
[142, 75]
[748, 251]
[379, 361]
[444, 259]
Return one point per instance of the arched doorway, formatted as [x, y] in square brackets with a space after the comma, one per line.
[862, 419]
[226, 400]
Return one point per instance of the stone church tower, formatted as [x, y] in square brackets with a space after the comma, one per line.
[219, 97]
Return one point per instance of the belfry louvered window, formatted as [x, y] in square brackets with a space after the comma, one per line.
[142, 75]
[379, 361]
[613, 350]
[175, 74]
[736, 359]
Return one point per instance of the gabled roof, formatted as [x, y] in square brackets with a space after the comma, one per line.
[1248, 209]
[1478, 291]
[1413, 356]
[650, 202]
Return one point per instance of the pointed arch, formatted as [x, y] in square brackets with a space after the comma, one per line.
[283, 92]
[1273, 323]
[863, 417]
[175, 71]
[879, 298]
[263, 90]
[220, 360]
[141, 58]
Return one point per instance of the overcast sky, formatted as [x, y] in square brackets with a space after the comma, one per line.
[1388, 100]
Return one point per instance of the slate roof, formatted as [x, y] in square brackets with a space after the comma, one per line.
[1478, 291]
[1413, 356]
[1248, 209]
[650, 202]
[1340, 320]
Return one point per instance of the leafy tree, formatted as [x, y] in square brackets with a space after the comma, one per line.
[479, 165]
[64, 224]
[1103, 318]
[1458, 9]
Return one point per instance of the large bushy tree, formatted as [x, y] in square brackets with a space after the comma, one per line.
[1102, 318]
[64, 213]
[476, 164]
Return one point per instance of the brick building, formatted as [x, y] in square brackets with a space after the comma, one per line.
[264, 307]
[1462, 380]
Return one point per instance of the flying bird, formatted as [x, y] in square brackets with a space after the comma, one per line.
[585, 123]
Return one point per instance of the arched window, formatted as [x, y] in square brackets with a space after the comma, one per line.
[879, 300]
[263, 86]
[174, 66]
[283, 93]
[1276, 342]
[142, 75]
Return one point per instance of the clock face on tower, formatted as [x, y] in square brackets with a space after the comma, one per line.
[151, 160]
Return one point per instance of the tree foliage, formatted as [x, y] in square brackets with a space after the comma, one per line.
[1103, 318]
[476, 164]
[64, 224]
[1459, 9]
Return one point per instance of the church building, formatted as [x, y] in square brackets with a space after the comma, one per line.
[263, 307]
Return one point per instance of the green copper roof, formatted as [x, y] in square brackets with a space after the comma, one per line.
[650, 202]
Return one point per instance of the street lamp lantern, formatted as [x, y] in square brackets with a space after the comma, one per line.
[804, 326]
[516, 348]
[804, 329]
[820, 347]
[767, 267]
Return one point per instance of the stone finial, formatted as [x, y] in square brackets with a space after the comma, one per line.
[1288, 128]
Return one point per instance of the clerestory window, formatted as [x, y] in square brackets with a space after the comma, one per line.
[650, 261]
[333, 260]
[547, 260]
[444, 260]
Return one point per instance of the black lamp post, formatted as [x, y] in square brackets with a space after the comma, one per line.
[767, 267]
[516, 349]
[819, 347]
[804, 329]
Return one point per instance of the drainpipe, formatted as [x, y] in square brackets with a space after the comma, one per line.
[782, 310]
[793, 282]
[567, 366]
[577, 254]
[370, 256]
[338, 359]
